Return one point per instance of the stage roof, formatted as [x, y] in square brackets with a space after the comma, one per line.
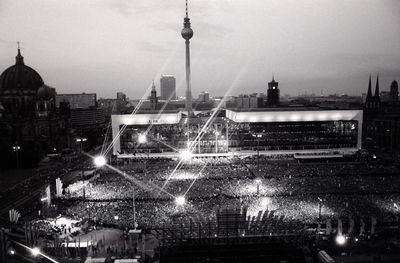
[294, 115]
[146, 119]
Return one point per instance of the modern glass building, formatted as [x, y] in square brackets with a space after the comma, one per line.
[266, 130]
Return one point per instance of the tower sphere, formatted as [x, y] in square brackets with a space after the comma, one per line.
[187, 33]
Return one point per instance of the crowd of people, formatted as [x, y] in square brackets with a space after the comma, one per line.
[304, 192]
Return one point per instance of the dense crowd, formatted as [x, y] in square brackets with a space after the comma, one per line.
[297, 191]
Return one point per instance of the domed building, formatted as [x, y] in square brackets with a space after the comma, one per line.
[29, 120]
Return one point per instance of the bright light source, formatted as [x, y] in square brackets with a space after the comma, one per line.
[180, 200]
[258, 180]
[142, 138]
[265, 202]
[186, 155]
[35, 251]
[340, 240]
[12, 252]
[99, 161]
[116, 217]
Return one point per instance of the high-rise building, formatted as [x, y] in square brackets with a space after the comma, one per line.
[204, 97]
[394, 92]
[187, 34]
[168, 87]
[273, 93]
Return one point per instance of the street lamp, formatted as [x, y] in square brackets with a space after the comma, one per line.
[81, 140]
[340, 240]
[16, 149]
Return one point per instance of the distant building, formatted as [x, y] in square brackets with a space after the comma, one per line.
[394, 92]
[372, 102]
[77, 101]
[108, 105]
[85, 118]
[249, 101]
[382, 118]
[121, 96]
[121, 103]
[153, 97]
[204, 97]
[168, 87]
[273, 93]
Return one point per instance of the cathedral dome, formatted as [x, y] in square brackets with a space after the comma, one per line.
[20, 78]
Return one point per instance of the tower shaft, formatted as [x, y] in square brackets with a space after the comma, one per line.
[188, 103]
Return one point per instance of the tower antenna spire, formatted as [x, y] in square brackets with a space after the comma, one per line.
[187, 12]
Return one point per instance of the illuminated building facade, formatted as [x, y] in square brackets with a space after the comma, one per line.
[269, 130]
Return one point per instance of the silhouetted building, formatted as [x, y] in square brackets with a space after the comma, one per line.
[273, 93]
[29, 123]
[121, 96]
[168, 87]
[394, 92]
[77, 101]
[382, 118]
[108, 105]
[372, 103]
[153, 97]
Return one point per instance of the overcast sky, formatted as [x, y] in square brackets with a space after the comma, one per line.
[106, 46]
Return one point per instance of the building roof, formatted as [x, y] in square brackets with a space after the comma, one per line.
[293, 115]
[20, 77]
[147, 118]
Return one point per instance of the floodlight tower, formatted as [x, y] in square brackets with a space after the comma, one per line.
[187, 34]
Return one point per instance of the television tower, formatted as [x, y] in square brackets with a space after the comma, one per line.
[187, 34]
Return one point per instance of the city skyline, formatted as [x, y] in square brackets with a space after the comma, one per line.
[111, 46]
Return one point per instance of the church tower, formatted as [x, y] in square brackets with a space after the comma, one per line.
[153, 97]
[273, 93]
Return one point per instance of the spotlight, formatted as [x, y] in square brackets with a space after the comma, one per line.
[265, 202]
[35, 251]
[340, 240]
[180, 200]
[185, 155]
[99, 161]
[142, 138]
